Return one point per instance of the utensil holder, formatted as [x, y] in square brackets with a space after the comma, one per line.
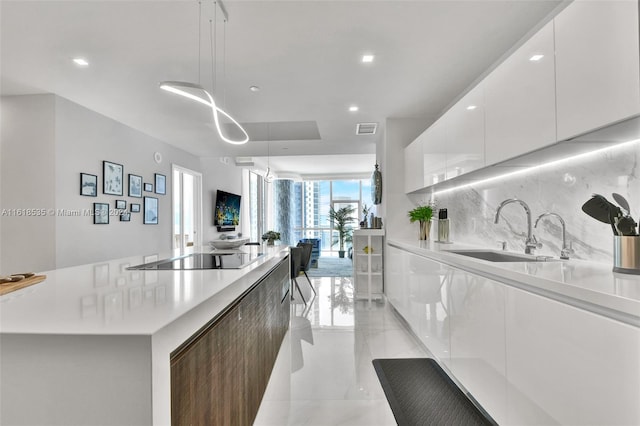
[626, 254]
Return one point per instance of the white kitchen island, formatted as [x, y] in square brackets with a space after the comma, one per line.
[92, 344]
[553, 342]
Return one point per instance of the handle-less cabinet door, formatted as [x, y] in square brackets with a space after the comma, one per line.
[520, 100]
[597, 65]
[413, 179]
[465, 134]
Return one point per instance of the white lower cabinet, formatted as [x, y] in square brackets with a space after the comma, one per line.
[527, 359]
[569, 366]
[476, 329]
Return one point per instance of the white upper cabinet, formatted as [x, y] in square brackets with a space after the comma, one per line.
[598, 66]
[413, 179]
[464, 127]
[434, 152]
[520, 100]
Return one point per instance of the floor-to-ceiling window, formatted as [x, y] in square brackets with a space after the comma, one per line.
[302, 208]
[257, 196]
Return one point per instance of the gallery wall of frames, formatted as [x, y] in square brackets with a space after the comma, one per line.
[142, 194]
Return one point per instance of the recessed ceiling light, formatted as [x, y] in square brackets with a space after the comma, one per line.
[254, 88]
[367, 58]
[81, 62]
[536, 58]
[353, 108]
[471, 107]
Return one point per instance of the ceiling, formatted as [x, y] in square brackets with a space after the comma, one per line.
[305, 56]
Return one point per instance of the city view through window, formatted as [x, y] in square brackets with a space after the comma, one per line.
[301, 209]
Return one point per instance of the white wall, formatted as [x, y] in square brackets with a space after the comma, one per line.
[399, 132]
[218, 173]
[27, 168]
[47, 141]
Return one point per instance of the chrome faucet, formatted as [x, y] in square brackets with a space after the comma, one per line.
[566, 250]
[531, 243]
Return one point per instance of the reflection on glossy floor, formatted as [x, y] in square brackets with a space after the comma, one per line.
[323, 374]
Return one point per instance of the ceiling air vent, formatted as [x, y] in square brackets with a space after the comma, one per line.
[366, 128]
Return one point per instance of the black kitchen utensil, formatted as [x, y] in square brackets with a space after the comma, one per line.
[599, 208]
[622, 202]
[626, 226]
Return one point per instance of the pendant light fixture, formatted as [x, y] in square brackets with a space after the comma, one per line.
[197, 93]
[268, 176]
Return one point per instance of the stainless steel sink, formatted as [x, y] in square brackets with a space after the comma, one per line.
[500, 256]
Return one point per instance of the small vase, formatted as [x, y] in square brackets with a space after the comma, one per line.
[270, 242]
[425, 229]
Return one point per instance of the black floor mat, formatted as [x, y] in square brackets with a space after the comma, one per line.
[420, 393]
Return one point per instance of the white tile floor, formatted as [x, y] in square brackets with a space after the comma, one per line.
[323, 374]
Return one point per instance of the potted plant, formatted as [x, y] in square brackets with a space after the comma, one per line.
[422, 214]
[340, 220]
[270, 237]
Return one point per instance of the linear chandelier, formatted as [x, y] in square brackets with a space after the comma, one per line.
[195, 91]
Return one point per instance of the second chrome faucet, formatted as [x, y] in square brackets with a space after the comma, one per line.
[566, 250]
[530, 243]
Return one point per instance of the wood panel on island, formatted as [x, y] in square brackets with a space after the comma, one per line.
[219, 376]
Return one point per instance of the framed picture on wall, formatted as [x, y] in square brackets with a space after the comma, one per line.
[150, 211]
[135, 186]
[88, 185]
[135, 208]
[121, 204]
[148, 187]
[161, 184]
[125, 217]
[100, 213]
[112, 175]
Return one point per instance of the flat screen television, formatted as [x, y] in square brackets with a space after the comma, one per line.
[227, 211]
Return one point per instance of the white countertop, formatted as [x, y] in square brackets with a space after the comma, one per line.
[107, 299]
[589, 285]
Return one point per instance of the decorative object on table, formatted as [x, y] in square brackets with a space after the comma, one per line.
[161, 184]
[365, 213]
[150, 211]
[135, 208]
[228, 243]
[148, 187]
[100, 213]
[367, 249]
[340, 221]
[135, 186]
[17, 281]
[125, 217]
[376, 186]
[196, 92]
[88, 185]
[121, 204]
[112, 176]
[271, 237]
[422, 214]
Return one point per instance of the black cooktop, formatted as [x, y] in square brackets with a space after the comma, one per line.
[229, 260]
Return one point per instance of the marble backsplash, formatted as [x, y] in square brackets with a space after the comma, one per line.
[561, 189]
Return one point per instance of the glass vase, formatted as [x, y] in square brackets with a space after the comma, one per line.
[425, 229]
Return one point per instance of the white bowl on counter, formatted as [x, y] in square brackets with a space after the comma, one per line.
[228, 243]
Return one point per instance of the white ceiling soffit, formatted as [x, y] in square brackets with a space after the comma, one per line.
[282, 131]
[321, 167]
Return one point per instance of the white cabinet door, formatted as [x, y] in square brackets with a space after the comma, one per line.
[569, 366]
[476, 326]
[434, 152]
[395, 277]
[520, 100]
[413, 179]
[597, 65]
[465, 134]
